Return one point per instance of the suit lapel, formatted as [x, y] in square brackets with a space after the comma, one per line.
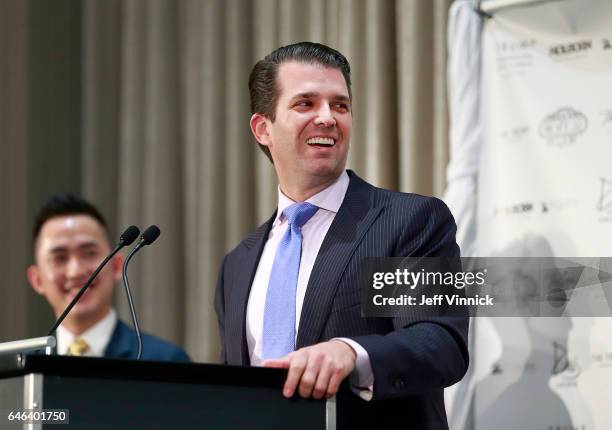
[346, 232]
[249, 257]
[121, 344]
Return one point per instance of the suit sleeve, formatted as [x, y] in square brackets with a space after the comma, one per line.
[424, 353]
[220, 309]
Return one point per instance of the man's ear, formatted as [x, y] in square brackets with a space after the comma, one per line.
[33, 275]
[117, 265]
[260, 128]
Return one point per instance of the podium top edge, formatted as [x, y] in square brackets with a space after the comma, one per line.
[106, 368]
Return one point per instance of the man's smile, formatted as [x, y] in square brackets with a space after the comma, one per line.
[323, 141]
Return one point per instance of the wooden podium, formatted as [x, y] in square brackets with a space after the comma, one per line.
[125, 394]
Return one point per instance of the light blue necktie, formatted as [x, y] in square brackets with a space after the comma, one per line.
[279, 313]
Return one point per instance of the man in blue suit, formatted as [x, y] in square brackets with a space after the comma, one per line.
[288, 295]
[70, 240]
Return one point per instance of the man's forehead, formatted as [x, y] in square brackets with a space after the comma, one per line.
[300, 77]
[65, 230]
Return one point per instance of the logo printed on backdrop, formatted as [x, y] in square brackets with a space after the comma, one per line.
[604, 204]
[562, 127]
[555, 206]
[541, 207]
[514, 56]
[570, 50]
[606, 44]
[607, 121]
[602, 359]
[514, 209]
[509, 46]
[515, 134]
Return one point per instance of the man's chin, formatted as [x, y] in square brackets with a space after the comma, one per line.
[84, 308]
[84, 317]
[328, 171]
[81, 312]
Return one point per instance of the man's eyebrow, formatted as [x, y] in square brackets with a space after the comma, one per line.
[342, 98]
[306, 95]
[311, 94]
[58, 249]
[82, 246]
[87, 245]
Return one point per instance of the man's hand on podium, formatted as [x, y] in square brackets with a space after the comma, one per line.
[318, 369]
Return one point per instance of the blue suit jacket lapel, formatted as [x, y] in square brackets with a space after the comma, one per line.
[121, 344]
[250, 254]
[352, 221]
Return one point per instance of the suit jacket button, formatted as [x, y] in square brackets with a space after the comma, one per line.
[399, 383]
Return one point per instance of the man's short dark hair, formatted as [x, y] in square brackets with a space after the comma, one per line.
[65, 204]
[263, 86]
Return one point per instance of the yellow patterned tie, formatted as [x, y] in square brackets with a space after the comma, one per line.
[78, 347]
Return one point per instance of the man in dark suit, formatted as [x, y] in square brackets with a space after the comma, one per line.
[70, 240]
[288, 295]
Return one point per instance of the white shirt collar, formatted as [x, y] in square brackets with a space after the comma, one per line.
[97, 336]
[329, 198]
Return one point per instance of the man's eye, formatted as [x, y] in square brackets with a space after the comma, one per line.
[59, 259]
[303, 103]
[342, 106]
[90, 253]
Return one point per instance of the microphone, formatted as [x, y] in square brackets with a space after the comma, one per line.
[148, 237]
[129, 235]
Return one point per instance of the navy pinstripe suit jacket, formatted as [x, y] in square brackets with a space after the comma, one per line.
[412, 359]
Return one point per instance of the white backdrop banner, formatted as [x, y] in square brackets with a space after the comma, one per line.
[545, 189]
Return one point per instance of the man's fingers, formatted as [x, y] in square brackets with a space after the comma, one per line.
[316, 371]
[321, 386]
[336, 377]
[314, 361]
[296, 369]
[281, 363]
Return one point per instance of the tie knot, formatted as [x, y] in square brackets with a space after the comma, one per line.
[300, 213]
[78, 347]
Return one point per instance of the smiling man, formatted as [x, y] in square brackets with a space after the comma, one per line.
[288, 295]
[305, 169]
[70, 241]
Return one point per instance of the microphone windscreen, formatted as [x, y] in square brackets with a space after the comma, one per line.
[150, 234]
[129, 235]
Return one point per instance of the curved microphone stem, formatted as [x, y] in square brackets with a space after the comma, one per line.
[128, 293]
[83, 289]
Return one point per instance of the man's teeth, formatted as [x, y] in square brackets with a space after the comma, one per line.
[320, 141]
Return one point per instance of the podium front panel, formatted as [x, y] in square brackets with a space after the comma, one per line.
[123, 394]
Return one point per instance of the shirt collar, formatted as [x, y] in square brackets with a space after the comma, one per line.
[97, 336]
[329, 198]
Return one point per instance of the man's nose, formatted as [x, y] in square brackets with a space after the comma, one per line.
[76, 268]
[325, 117]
